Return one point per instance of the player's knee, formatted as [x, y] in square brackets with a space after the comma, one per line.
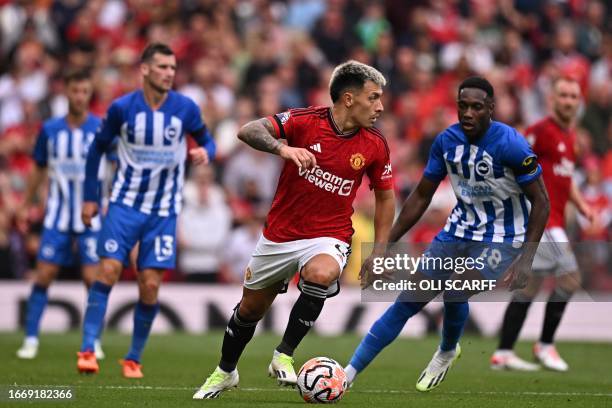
[44, 278]
[45, 274]
[570, 283]
[251, 312]
[109, 272]
[321, 276]
[150, 286]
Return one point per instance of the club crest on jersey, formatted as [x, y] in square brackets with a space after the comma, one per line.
[357, 161]
[482, 168]
[111, 246]
[283, 117]
[170, 133]
[248, 274]
[48, 251]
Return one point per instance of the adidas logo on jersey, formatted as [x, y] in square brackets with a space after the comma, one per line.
[316, 147]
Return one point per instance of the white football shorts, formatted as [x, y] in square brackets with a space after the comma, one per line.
[555, 255]
[272, 262]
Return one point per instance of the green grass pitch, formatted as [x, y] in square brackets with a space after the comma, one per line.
[175, 365]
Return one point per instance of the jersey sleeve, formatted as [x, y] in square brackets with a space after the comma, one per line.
[40, 154]
[194, 122]
[284, 125]
[110, 127]
[103, 143]
[519, 157]
[380, 172]
[435, 170]
[199, 131]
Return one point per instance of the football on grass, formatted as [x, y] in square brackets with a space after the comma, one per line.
[321, 380]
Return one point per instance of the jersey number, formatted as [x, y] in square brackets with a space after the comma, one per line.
[493, 257]
[163, 247]
[90, 249]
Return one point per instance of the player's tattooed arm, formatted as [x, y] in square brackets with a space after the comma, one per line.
[259, 134]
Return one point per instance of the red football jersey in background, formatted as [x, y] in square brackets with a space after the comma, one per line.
[555, 148]
[319, 202]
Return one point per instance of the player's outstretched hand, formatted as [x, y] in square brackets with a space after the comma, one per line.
[199, 155]
[90, 210]
[366, 274]
[518, 273]
[301, 157]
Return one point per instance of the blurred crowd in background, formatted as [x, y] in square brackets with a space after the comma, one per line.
[244, 59]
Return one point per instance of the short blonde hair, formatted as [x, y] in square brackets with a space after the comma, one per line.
[353, 74]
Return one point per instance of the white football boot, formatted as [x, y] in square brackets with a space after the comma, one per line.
[216, 383]
[508, 360]
[549, 357]
[29, 348]
[281, 368]
[436, 370]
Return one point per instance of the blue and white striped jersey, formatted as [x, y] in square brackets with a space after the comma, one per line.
[151, 149]
[63, 151]
[486, 177]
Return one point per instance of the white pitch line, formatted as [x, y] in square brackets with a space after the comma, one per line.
[161, 388]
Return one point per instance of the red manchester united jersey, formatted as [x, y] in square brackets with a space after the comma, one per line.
[313, 203]
[555, 148]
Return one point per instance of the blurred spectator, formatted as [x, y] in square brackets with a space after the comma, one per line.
[239, 248]
[567, 59]
[26, 20]
[478, 56]
[372, 25]
[302, 14]
[226, 131]
[251, 176]
[595, 196]
[203, 227]
[333, 37]
[597, 116]
[595, 251]
[590, 31]
[26, 82]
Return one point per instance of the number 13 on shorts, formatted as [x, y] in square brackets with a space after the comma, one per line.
[164, 248]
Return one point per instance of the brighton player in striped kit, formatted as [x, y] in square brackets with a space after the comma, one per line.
[60, 154]
[150, 125]
[496, 179]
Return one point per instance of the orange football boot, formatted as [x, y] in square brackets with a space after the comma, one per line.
[131, 369]
[87, 363]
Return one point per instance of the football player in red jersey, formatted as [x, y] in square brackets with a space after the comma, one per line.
[308, 230]
[553, 141]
